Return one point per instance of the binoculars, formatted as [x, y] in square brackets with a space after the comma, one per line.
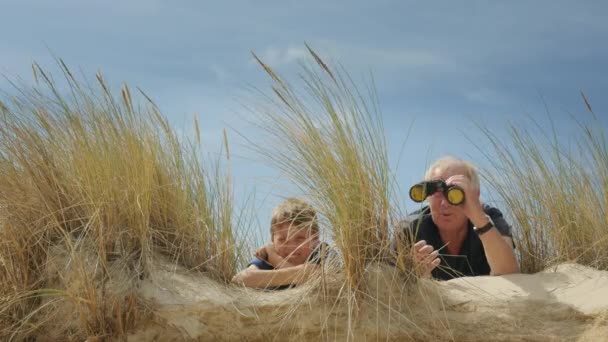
[419, 192]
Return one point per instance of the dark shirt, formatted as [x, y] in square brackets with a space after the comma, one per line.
[313, 258]
[470, 261]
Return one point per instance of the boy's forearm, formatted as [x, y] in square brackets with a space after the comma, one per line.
[272, 278]
[284, 264]
[277, 261]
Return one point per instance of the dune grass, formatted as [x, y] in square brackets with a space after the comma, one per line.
[326, 135]
[329, 140]
[109, 185]
[556, 187]
[94, 187]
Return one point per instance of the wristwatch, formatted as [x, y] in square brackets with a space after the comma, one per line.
[481, 230]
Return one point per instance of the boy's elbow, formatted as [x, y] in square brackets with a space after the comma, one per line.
[245, 278]
[238, 278]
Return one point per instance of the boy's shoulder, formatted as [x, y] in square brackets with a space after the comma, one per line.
[261, 264]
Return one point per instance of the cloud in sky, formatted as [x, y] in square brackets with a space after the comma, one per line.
[278, 56]
[486, 96]
[438, 63]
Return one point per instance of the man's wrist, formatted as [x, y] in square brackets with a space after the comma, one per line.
[482, 229]
[480, 219]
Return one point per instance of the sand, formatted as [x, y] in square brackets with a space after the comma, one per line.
[565, 303]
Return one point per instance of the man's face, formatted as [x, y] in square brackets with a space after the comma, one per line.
[446, 217]
[294, 244]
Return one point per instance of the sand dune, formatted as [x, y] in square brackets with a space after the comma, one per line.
[583, 288]
[567, 302]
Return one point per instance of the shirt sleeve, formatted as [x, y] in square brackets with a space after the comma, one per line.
[261, 264]
[404, 232]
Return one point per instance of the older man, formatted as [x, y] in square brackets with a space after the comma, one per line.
[455, 240]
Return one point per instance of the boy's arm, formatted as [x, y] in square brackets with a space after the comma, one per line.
[269, 254]
[275, 259]
[256, 278]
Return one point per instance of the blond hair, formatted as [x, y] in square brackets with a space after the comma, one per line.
[449, 163]
[297, 213]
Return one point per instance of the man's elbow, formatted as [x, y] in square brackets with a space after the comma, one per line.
[507, 270]
[514, 269]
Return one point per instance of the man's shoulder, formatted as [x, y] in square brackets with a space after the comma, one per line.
[416, 226]
[491, 211]
[414, 219]
[499, 221]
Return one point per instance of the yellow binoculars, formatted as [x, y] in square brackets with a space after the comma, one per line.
[419, 192]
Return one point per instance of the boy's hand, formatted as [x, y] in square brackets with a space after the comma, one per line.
[275, 259]
[262, 252]
[269, 254]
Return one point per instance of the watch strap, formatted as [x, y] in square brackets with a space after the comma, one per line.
[485, 228]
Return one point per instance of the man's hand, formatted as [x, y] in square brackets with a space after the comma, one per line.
[425, 257]
[472, 207]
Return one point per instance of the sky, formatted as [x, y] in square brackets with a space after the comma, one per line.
[440, 67]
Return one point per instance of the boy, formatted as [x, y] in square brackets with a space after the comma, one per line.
[294, 253]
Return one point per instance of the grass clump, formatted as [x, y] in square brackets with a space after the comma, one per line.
[92, 188]
[557, 192]
[330, 142]
[327, 136]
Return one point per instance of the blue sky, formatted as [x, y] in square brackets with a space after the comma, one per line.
[441, 66]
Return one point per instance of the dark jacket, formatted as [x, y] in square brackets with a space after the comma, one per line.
[470, 261]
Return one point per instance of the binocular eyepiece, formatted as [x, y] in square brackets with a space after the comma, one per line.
[419, 192]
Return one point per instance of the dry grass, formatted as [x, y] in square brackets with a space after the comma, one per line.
[327, 136]
[108, 182]
[556, 188]
[93, 188]
[330, 142]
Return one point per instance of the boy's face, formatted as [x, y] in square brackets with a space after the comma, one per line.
[294, 244]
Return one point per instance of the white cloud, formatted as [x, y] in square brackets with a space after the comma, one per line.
[385, 57]
[399, 57]
[275, 56]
